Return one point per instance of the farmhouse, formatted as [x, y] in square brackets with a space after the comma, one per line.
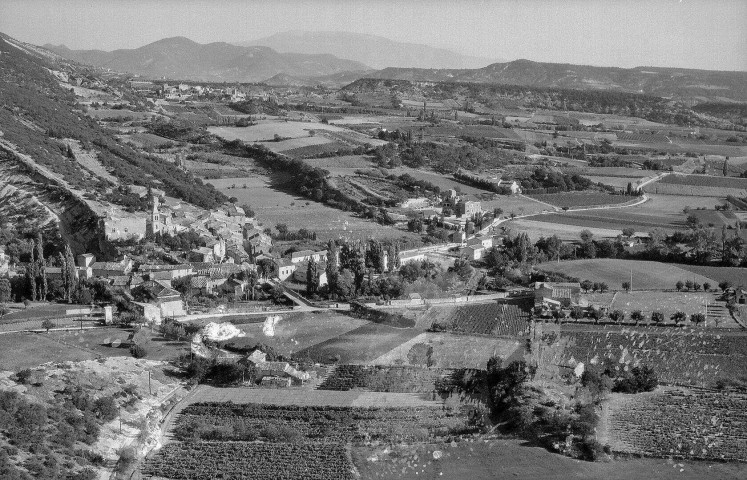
[474, 252]
[168, 301]
[284, 268]
[556, 293]
[485, 242]
[170, 272]
[111, 269]
[468, 208]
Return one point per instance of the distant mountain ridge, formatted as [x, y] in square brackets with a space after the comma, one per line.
[182, 58]
[660, 81]
[378, 52]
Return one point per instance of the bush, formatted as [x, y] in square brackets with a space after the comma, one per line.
[138, 351]
[590, 449]
[106, 408]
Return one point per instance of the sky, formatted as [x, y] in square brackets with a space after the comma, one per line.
[705, 34]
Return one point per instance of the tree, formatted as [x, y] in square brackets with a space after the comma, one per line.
[636, 316]
[689, 285]
[603, 287]
[47, 325]
[707, 286]
[617, 316]
[586, 285]
[696, 286]
[692, 221]
[657, 317]
[626, 286]
[586, 236]
[70, 274]
[265, 267]
[679, 285]
[462, 268]
[678, 317]
[628, 232]
[698, 318]
[312, 277]
[725, 285]
[726, 167]
[5, 290]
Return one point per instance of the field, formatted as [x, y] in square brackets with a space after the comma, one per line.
[646, 275]
[360, 345]
[265, 461]
[482, 319]
[737, 276]
[513, 458]
[309, 398]
[274, 206]
[315, 150]
[614, 218]
[553, 226]
[342, 165]
[454, 351]
[705, 181]
[145, 140]
[671, 302]
[106, 113]
[267, 129]
[293, 143]
[296, 332]
[680, 356]
[617, 182]
[653, 424]
[581, 199]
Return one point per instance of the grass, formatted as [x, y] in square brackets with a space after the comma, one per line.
[296, 332]
[360, 345]
[273, 206]
[292, 143]
[736, 275]
[513, 458]
[646, 275]
[581, 199]
[28, 350]
[566, 232]
[612, 219]
[267, 129]
[455, 351]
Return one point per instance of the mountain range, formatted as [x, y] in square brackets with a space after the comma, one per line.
[182, 58]
[375, 51]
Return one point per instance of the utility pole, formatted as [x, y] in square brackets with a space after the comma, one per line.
[149, 389]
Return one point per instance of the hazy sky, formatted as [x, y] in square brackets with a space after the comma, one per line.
[710, 34]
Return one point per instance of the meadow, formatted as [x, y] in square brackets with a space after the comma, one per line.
[273, 206]
[581, 199]
[553, 226]
[266, 130]
[736, 275]
[646, 275]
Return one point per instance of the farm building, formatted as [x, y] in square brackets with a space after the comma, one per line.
[468, 208]
[485, 242]
[168, 301]
[557, 294]
[474, 252]
[284, 268]
[306, 255]
[111, 269]
[172, 271]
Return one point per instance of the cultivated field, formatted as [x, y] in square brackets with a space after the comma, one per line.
[296, 332]
[455, 351]
[267, 129]
[736, 275]
[514, 458]
[681, 356]
[646, 275]
[581, 199]
[361, 345]
[536, 229]
[293, 143]
[274, 206]
[652, 424]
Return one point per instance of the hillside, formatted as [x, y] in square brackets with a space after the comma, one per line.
[181, 58]
[663, 82]
[373, 50]
[37, 120]
[492, 97]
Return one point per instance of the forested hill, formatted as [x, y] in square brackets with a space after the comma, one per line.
[37, 114]
[664, 82]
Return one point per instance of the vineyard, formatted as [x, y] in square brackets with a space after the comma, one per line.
[250, 461]
[679, 356]
[323, 424]
[705, 181]
[685, 424]
[484, 319]
[382, 379]
[642, 138]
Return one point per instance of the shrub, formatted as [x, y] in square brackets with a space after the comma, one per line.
[138, 351]
[590, 449]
